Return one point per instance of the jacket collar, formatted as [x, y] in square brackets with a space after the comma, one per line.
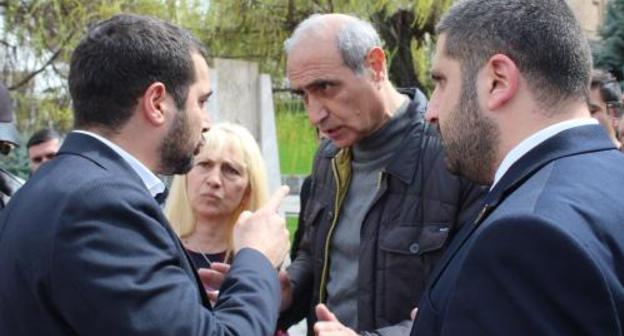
[577, 140]
[405, 161]
[574, 141]
[99, 153]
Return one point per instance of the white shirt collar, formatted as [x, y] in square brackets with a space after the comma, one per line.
[534, 140]
[153, 184]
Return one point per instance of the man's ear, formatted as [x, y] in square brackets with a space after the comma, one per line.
[376, 62]
[502, 79]
[154, 103]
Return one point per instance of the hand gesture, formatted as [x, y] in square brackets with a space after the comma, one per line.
[264, 230]
[328, 324]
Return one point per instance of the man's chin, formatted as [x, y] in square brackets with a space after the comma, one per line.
[342, 142]
[179, 167]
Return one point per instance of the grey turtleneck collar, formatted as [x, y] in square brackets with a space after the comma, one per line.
[385, 139]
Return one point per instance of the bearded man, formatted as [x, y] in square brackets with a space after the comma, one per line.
[84, 246]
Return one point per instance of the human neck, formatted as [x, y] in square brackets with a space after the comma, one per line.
[209, 236]
[393, 99]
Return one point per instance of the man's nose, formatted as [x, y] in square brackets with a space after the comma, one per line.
[316, 111]
[432, 113]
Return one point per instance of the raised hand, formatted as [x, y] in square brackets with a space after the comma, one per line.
[264, 230]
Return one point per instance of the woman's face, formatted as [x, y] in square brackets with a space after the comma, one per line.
[218, 183]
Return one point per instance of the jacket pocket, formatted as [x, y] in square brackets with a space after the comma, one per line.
[415, 240]
[408, 253]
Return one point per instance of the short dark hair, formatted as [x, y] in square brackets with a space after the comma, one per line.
[610, 89]
[41, 136]
[542, 37]
[119, 58]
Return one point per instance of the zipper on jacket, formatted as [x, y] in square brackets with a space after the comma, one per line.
[337, 205]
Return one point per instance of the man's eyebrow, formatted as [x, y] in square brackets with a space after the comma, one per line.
[300, 91]
[321, 81]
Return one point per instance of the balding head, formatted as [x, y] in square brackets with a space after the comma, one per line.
[352, 37]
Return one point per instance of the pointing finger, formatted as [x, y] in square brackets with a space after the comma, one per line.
[276, 199]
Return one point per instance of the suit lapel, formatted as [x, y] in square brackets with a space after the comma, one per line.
[574, 141]
[94, 150]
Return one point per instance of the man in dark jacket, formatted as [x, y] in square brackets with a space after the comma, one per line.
[382, 206]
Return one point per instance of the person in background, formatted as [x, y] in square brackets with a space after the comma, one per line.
[605, 103]
[42, 146]
[9, 183]
[228, 177]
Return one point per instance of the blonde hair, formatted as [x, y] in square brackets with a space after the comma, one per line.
[178, 208]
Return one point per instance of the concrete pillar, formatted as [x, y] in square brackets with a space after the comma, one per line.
[268, 133]
[244, 96]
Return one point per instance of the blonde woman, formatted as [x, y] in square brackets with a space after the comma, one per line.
[228, 177]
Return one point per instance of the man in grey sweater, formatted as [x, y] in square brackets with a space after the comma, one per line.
[382, 207]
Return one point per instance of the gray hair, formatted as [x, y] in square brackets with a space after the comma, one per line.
[354, 39]
[542, 37]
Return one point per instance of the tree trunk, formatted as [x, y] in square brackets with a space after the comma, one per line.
[396, 31]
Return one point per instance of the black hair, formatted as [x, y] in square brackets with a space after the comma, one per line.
[119, 58]
[542, 37]
[41, 136]
[610, 89]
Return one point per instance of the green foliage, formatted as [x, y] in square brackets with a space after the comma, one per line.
[256, 30]
[296, 138]
[422, 53]
[291, 224]
[39, 36]
[609, 54]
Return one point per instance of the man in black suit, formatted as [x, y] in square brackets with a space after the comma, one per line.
[84, 246]
[545, 254]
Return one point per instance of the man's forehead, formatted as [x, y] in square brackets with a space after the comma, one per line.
[303, 74]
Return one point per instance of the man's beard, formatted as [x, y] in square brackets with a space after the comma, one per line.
[470, 139]
[177, 149]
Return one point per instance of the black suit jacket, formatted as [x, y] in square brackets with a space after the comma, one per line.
[85, 249]
[546, 254]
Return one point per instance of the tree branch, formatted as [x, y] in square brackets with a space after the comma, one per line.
[54, 56]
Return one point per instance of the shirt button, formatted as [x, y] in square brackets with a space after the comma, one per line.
[414, 248]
